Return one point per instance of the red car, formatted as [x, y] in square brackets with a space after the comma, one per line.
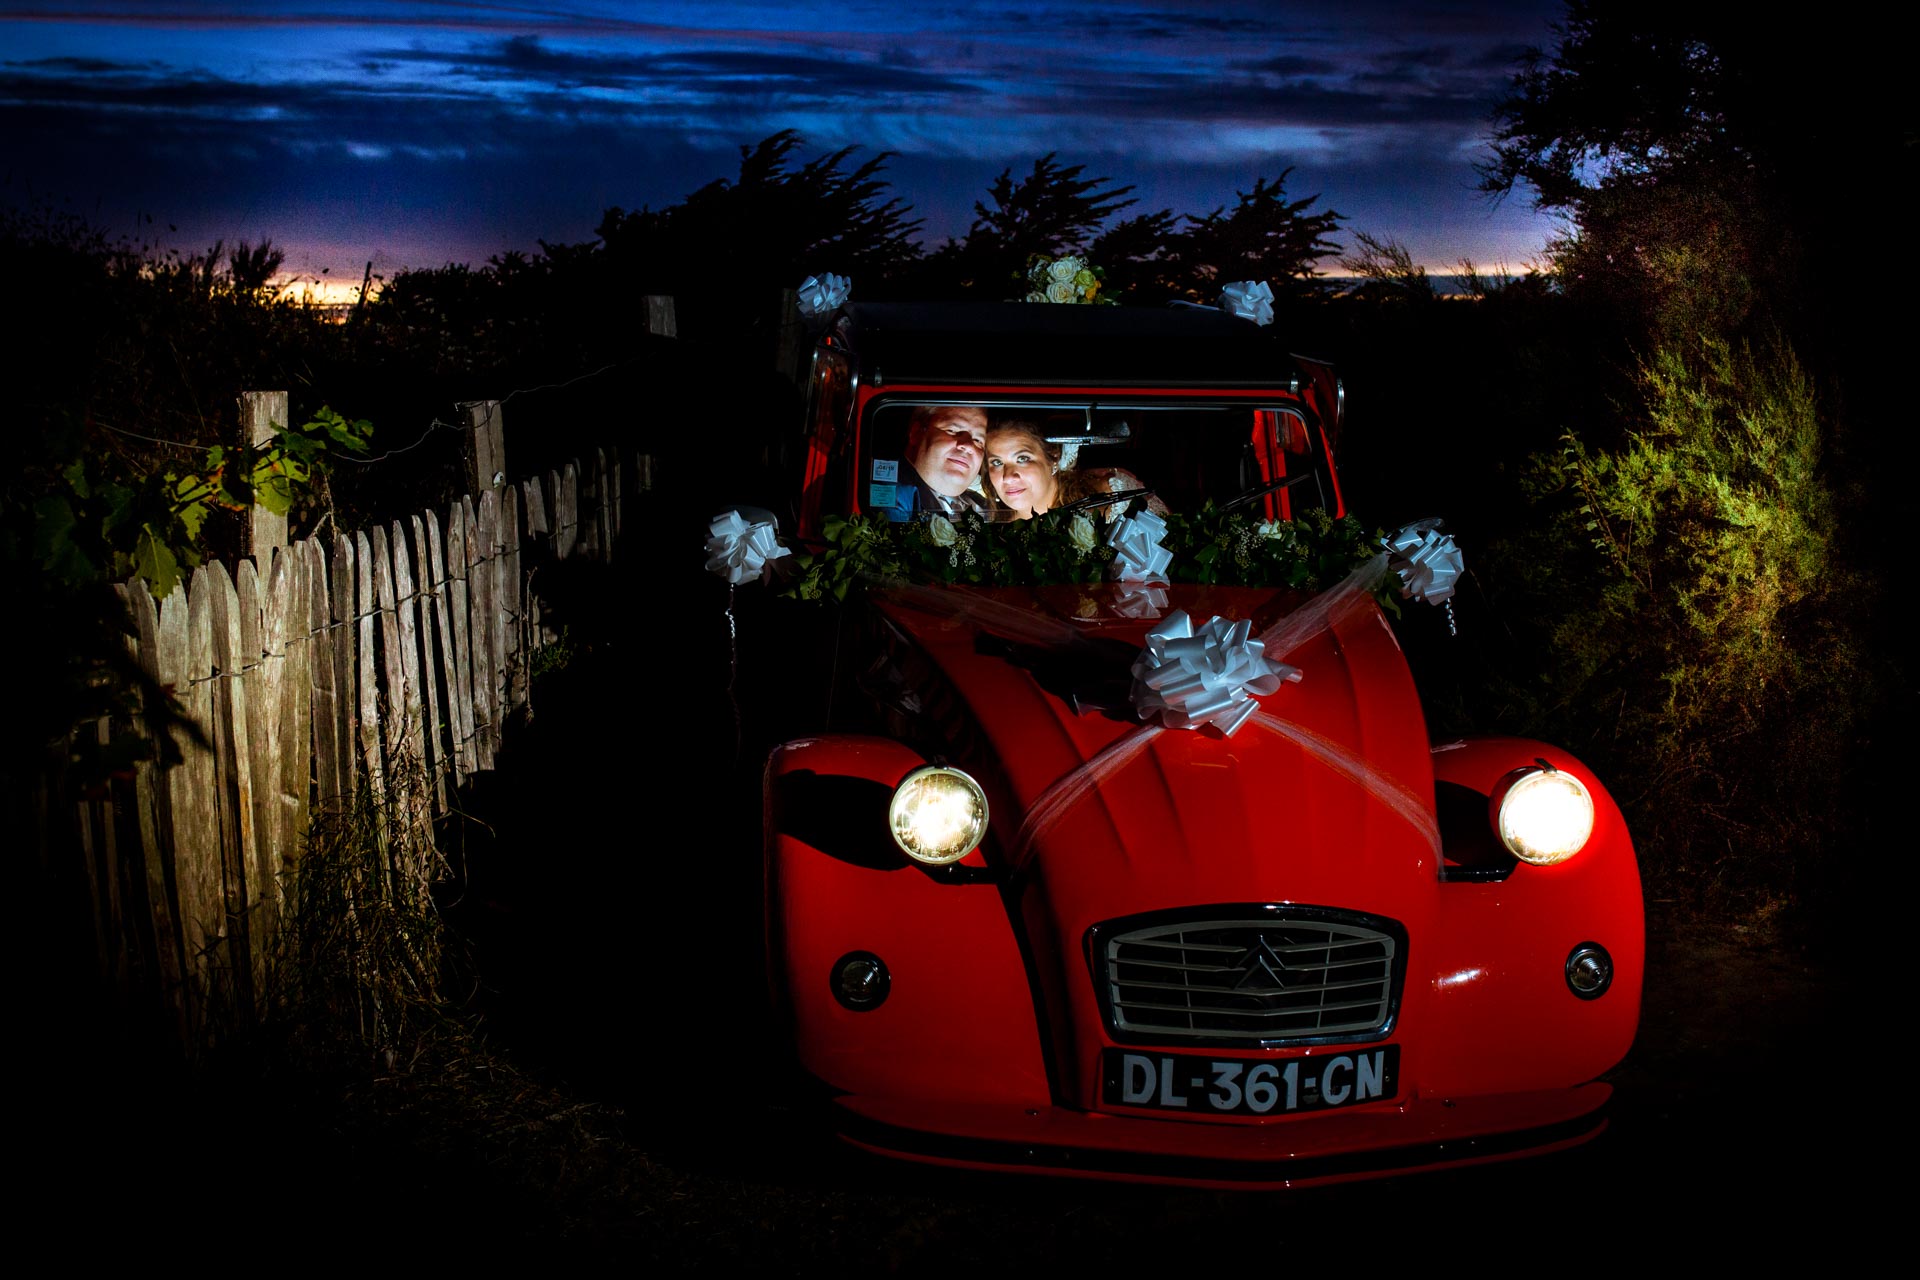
[1020, 919]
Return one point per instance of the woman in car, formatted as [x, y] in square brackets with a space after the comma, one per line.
[1030, 475]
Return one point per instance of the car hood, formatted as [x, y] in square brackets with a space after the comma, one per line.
[1330, 789]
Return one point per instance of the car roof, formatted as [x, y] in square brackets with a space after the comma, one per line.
[1050, 344]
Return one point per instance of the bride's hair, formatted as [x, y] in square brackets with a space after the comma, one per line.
[1031, 430]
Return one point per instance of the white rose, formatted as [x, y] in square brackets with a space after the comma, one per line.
[1080, 533]
[1064, 269]
[1036, 296]
[1060, 291]
[941, 530]
[1268, 529]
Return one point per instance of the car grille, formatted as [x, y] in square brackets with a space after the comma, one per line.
[1272, 980]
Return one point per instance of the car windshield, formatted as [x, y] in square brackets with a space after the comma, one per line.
[1005, 459]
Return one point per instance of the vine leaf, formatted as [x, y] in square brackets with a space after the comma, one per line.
[155, 561]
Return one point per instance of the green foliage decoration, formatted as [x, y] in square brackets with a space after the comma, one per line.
[1209, 546]
[1311, 553]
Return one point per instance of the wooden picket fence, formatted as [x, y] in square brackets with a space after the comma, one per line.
[383, 663]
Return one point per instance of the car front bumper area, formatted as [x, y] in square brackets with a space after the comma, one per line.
[1369, 1142]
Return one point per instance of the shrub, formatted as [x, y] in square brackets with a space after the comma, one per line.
[1702, 625]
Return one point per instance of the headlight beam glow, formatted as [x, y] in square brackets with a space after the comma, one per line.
[938, 815]
[1544, 815]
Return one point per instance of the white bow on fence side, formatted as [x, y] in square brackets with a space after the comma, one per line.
[1429, 562]
[739, 551]
[822, 293]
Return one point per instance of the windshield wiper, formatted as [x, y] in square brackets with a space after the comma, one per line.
[1104, 499]
[1261, 491]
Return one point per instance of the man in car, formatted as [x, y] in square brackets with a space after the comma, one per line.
[945, 446]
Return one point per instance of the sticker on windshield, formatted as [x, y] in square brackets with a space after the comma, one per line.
[887, 469]
[881, 495]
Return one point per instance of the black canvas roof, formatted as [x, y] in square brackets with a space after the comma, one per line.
[1050, 344]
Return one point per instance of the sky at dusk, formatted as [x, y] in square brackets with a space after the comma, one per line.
[416, 133]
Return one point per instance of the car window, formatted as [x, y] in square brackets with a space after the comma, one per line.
[1187, 454]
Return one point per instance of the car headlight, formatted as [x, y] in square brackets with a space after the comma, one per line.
[1543, 816]
[938, 815]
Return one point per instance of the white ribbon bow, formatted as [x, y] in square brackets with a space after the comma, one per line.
[1137, 553]
[739, 551]
[1248, 299]
[1188, 679]
[822, 293]
[1428, 561]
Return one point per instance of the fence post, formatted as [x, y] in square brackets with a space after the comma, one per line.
[261, 414]
[660, 319]
[486, 445]
[660, 316]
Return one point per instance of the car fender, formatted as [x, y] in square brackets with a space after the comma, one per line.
[1504, 1017]
[958, 1020]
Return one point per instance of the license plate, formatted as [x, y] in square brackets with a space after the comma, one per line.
[1250, 1086]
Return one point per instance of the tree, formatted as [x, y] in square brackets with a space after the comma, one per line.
[1139, 255]
[774, 224]
[818, 216]
[1051, 211]
[1631, 94]
[1386, 270]
[251, 268]
[1265, 237]
[1687, 141]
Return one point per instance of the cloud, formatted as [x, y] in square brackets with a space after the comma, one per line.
[160, 101]
[1293, 64]
[1306, 102]
[1123, 22]
[719, 72]
[1502, 58]
[134, 90]
[79, 66]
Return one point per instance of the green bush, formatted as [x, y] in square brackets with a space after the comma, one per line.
[1702, 625]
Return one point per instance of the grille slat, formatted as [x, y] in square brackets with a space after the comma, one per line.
[1233, 950]
[1227, 968]
[1299, 1012]
[1142, 985]
[1283, 978]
